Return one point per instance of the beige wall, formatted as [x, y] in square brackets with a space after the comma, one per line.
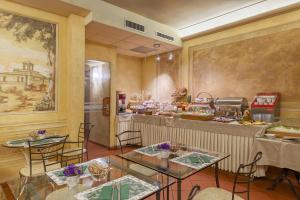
[149, 73]
[160, 79]
[125, 76]
[69, 90]
[129, 75]
[266, 31]
[264, 27]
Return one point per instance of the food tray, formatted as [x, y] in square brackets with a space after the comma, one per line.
[197, 117]
[285, 131]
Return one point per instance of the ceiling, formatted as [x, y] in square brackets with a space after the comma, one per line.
[54, 6]
[180, 13]
[125, 41]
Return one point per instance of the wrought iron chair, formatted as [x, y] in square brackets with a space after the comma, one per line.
[133, 139]
[80, 147]
[44, 155]
[244, 175]
[129, 139]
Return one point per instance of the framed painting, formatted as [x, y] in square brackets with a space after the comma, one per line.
[28, 54]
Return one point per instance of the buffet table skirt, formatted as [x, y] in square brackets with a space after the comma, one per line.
[277, 153]
[236, 140]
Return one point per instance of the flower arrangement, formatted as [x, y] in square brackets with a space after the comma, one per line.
[164, 146]
[41, 132]
[37, 134]
[73, 170]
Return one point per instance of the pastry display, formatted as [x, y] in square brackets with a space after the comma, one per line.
[98, 170]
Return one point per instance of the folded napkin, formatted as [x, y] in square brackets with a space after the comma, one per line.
[106, 192]
[195, 159]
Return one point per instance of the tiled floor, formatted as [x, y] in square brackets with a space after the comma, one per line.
[206, 179]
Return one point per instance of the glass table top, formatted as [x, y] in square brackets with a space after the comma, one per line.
[23, 142]
[137, 184]
[181, 163]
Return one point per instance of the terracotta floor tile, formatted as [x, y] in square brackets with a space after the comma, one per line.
[206, 179]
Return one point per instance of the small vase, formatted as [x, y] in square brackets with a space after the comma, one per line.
[165, 154]
[164, 163]
[42, 136]
[72, 181]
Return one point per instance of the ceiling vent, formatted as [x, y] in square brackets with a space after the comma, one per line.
[142, 49]
[164, 36]
[135, 26]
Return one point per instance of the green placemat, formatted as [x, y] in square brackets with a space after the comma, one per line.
[16, 142]
[132, 188]
[106, 192]
[195, 160]
[149, 150]
[59, 178]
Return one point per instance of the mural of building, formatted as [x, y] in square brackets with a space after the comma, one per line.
[25, 78]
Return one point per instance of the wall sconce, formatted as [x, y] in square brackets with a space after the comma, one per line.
[157, 58]
[170, 56]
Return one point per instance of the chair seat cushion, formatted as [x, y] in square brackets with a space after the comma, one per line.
[73, 152]
[142, 170]
[38, 169]
[215, 194]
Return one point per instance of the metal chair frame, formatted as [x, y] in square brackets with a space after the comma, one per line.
[82, 143]
[43, 153]
[247, 177]
[133, 141]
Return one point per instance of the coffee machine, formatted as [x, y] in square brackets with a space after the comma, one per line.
[121, 102]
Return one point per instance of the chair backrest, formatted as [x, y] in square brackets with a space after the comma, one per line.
[245, 175]
[129, 138]
[48, 151]
[84, 132]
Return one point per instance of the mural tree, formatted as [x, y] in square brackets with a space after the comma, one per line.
[25, 29]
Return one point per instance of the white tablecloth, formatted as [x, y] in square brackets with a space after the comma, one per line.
[236, 140]
[277, 153]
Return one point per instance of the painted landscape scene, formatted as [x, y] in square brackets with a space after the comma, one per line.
[27, 64]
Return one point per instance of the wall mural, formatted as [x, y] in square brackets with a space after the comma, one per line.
[27, 64]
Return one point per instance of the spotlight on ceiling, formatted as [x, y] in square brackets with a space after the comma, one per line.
[156, 45]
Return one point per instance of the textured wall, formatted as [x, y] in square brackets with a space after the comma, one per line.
[244, 67]
[160, 79]
[125, 76]
[129, 75]
[69, 91]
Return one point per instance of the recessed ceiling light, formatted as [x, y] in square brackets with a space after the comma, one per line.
[156, 45]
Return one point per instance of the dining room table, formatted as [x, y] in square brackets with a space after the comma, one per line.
[182, 162]
[22, 143]
[130, 184]
[283, 153]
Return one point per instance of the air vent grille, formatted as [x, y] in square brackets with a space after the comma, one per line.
[135, 26]
[164, 36]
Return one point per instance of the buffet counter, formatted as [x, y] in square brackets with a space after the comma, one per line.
[235, 139]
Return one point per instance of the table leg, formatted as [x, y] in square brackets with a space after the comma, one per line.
[284, 176]
[158, 195]
[26, 156]
[178, 189]
[279, 179]
[217, 174]
[168, 189]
